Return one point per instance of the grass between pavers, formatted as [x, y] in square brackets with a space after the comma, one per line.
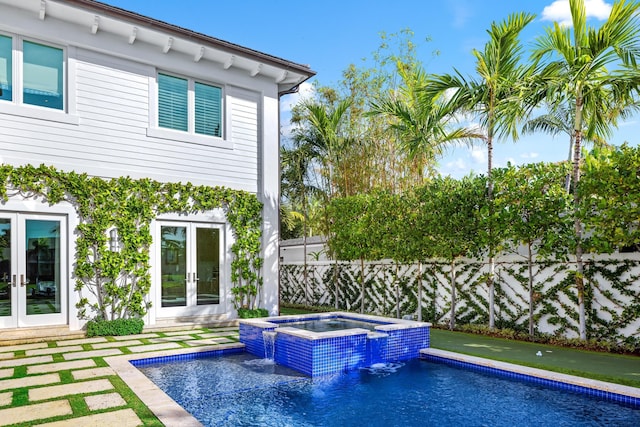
[614, 368]
[77, 402]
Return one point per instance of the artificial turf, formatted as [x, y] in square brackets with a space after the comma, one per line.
[616, 368]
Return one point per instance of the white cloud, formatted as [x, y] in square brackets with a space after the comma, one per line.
[531, 155]
[461, 14]
[458, 164]
[305, 91]
[559, 11]
[478, 155]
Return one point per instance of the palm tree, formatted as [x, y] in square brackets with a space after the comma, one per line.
[325, 138]
[559, 120]
[424, 126]
[577, 69]
[296, 163]
[493, 97]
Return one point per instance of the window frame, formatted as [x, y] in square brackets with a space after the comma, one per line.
[189, 136]
[16, 106]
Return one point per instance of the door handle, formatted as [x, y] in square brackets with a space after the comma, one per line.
[13, 280]
[195, 278]
[22, 281]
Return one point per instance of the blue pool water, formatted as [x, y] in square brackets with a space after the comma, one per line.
[327, 325]
[240, 390]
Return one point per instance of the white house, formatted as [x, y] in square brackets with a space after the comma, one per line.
[95, 89]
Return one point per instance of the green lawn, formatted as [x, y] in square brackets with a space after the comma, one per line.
[615, 368]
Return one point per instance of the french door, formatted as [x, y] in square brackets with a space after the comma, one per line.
[33, 270]
[189, 260]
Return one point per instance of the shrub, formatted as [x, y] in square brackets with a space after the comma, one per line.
[246, 313]
[99, 328]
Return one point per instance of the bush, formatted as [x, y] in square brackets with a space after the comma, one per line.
[100, 328]
[245, 313]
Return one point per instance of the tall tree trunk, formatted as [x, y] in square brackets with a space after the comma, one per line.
[362, 285]
[420, 291]
[305, 273]
[492, 263]
[335, 280]
[397, 286]
[577, 223]
[530, 262]
[452, 319]
[567, 181]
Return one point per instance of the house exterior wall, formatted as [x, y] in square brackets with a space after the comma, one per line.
[109, 126]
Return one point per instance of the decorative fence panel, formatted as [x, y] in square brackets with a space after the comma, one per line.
[612, 292]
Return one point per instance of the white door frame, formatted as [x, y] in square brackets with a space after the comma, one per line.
[18, 280]
[191, 309]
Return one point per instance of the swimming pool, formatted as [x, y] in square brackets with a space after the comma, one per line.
[242, 390]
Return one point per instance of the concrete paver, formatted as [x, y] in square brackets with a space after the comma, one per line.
[137, 336]
[29, 381]
[53, 350]
[191, 331]
[29, 413]
[155, 347]
[104, 401]
[92, 353]
[81, 341]
[43, 379]
[50, 392]
[6, 398]
[171, 339]
[19, 347]
[60, 366]
[116, 344]
[210, 341]
[92, 373]
[25, 361]
[219, 334]
[121, 418]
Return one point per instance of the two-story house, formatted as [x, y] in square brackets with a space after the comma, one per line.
[98, 90]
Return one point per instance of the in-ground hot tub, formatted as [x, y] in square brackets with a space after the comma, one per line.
[320, 344]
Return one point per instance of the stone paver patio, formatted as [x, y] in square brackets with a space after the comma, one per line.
[69, 382]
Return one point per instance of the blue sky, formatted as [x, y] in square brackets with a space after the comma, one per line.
[329, 35]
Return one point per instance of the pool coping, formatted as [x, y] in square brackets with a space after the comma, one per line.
[571, 380]
[170, 413]
[281, 323]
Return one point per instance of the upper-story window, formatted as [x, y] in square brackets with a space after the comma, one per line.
[190, 106]
[6, 68]
[41, 76]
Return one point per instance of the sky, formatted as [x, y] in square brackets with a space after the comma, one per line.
[329, 35]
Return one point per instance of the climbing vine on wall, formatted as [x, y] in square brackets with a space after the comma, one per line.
[118, 281]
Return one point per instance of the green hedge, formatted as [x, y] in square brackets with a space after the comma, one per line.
[99, 328]
[245, 313]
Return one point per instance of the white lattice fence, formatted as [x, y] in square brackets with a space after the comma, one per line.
[613, 293]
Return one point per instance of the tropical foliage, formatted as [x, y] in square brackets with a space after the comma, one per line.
[114, 284]
[382, 130]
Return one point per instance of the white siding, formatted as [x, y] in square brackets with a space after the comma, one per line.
[112, 104]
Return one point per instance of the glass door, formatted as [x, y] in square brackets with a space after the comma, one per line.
[8, 278]
[32, 270]
[189, 261]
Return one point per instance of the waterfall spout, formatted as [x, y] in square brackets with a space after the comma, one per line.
[269, 338]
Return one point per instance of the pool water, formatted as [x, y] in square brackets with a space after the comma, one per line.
[327, 325]
[241, 390]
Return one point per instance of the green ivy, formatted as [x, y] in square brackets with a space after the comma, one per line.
[119, 281]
